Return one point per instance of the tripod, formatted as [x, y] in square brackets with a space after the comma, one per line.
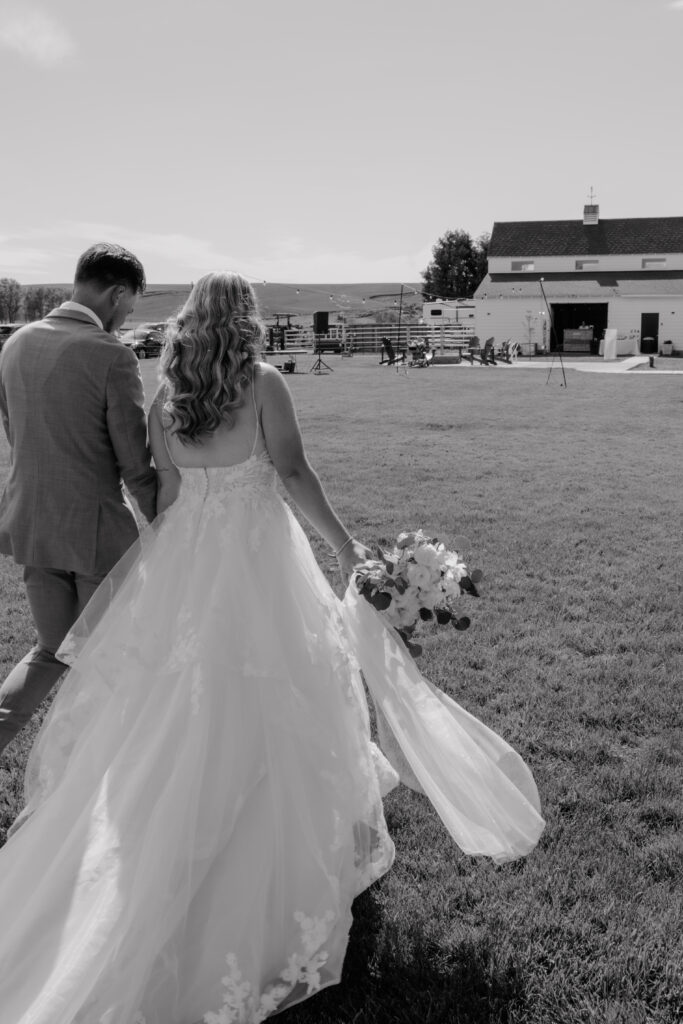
[553, 337]
[320, 362]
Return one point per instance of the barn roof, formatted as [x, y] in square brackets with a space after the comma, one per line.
[625, 236]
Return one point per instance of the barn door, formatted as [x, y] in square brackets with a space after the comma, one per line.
[649, 333]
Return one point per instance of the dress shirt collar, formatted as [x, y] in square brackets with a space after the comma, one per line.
[78, 308]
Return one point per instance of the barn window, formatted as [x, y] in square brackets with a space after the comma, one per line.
[587, 264]
[436, 312]
[522, 265]
[653, 262]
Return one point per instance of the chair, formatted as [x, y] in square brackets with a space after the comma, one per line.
[392, 357]
[509, 351]
[474, 350]
[488, 356]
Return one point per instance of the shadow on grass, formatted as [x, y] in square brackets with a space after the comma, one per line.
[397, 974]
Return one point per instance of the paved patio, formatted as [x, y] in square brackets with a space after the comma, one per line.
[641, 364]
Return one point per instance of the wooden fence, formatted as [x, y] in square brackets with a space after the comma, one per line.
[368, 338]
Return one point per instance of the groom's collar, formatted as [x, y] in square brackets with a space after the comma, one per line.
[77, 307]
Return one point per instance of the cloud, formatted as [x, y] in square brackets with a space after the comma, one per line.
[49, 254]
[35, 36]
[171, 245]
[288, 258]
[309, 266]
[24, 263]
[676, 5]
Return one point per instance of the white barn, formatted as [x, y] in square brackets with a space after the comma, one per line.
[625, 274]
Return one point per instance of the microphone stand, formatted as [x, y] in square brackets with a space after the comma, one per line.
[556, 350]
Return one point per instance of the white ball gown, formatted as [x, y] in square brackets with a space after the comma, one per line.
[204, 801]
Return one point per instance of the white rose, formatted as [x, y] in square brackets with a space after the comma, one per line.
[428, 556]
[419, 575]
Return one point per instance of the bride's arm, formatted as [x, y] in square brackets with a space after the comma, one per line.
[285, 447]
[167, 474]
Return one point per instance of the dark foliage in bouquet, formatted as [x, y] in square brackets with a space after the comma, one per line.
[419, 580]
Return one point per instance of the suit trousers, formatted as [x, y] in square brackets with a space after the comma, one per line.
[56, 599]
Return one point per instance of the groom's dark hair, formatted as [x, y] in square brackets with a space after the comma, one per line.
[107, 264]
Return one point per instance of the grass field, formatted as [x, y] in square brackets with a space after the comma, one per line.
[571, 500]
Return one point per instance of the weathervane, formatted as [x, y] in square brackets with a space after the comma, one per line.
[591, 196]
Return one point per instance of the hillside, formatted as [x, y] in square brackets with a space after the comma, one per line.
[300, 300]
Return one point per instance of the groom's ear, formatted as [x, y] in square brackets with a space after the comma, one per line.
[117, 293]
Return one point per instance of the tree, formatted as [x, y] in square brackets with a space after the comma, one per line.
[458, 265]
[11, 300]
[34, 302]
[39, 300]
[481, 250]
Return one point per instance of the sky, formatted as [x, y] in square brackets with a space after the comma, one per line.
[325, 141]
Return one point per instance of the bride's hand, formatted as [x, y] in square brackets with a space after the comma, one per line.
[350, 556]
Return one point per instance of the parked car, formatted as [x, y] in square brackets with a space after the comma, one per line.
[6, 330]
[146, 340]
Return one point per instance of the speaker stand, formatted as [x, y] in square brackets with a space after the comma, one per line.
[318, 366]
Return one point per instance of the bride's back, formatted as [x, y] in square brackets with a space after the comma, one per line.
[229, 445]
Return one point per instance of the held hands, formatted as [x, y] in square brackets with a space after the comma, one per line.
[350, 555]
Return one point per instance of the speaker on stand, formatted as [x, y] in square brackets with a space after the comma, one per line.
[321, 325]
[321, 322]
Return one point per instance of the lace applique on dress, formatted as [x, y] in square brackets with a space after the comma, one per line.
[239, 1004]
[185, 649]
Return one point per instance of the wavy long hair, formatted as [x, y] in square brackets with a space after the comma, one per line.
[209, 354]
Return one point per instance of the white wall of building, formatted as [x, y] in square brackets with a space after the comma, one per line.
[523, 321]
[625, 313]
[510, 318]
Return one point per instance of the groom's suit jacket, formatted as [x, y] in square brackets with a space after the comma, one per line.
[71, 401]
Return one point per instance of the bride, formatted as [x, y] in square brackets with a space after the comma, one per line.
[204, 801]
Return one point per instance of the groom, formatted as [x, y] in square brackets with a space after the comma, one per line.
[71, 401]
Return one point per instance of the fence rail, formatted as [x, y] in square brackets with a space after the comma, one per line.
[343, 338]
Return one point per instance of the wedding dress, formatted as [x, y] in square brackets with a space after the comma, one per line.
[204, 801]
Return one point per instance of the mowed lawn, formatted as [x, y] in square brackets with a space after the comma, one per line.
[571, 502]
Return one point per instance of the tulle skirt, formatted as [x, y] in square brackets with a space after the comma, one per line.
[204, 801]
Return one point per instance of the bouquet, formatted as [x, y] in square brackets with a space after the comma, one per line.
[419, 580]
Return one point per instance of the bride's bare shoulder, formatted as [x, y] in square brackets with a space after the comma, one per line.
[264, 370]
[270, 378]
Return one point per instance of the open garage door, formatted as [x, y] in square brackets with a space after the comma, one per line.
[578, 327]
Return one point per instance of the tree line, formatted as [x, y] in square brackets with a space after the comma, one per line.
[458, 266]
[30, 302]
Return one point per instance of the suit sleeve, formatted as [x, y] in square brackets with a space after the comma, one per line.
[128, 431]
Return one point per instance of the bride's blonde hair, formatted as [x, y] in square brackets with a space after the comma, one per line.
[209, 354]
